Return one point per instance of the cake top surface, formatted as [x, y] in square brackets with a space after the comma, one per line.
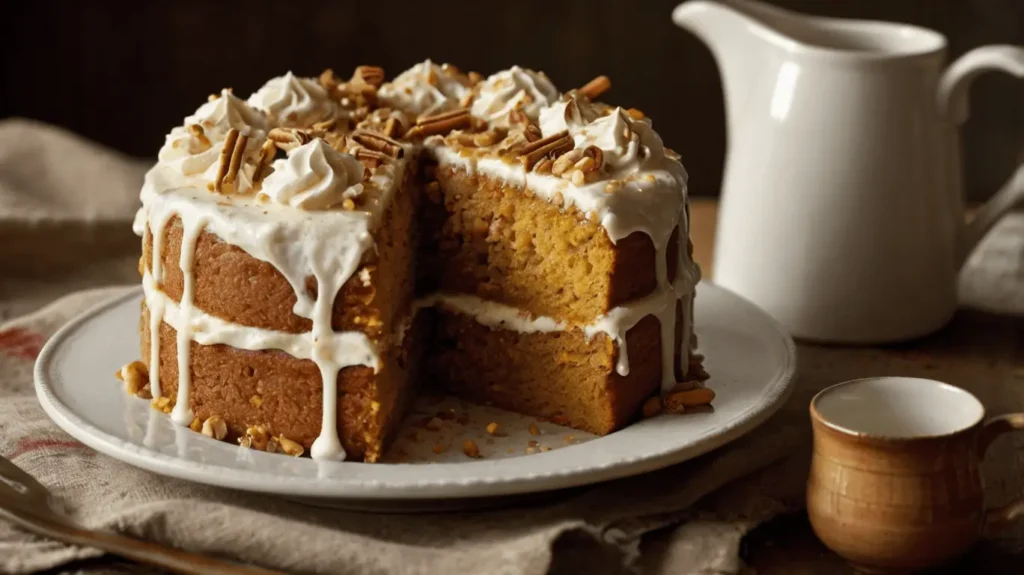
[323, 144]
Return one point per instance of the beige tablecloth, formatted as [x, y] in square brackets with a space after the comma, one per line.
[65, 212]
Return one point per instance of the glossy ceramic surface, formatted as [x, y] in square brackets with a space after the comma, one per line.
[75, 385]
[895, 482]
[841, 211]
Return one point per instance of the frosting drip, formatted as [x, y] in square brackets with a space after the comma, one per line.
[314, 177]
[513, 89]
[425, 89]
[292, 101]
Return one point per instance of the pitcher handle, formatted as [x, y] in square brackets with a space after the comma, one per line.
[1001, 517]
[953, 104]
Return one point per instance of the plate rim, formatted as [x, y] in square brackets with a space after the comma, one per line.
[774, 395]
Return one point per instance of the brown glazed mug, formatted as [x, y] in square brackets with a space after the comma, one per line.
[895, 483]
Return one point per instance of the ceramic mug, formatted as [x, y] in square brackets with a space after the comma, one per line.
[895, 482]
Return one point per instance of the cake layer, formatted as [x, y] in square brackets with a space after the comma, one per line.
[565, 376]
[232, 284]
[270, 388]
[500, 242]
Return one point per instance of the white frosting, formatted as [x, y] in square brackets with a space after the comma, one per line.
[207, 329]
[314, 176]
[188, 160]
[295, 102]
[492, 314]
[423, 90]
[513, 89]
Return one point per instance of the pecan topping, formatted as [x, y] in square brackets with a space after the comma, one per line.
[267, 152]
[378, 142]
[553, 146]
[197, 132]
[532, 133]
[392, 128]
[440, 123]
[595, 87]
[230, 161]
[289, 138]
[329, 80]
[372, 75]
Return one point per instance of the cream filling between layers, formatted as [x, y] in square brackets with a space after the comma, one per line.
[354, 348]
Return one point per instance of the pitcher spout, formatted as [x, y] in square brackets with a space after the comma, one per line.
[742, 35]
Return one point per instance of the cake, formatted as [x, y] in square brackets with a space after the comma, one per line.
[315, 254]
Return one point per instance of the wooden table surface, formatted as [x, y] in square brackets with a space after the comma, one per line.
[786, 544]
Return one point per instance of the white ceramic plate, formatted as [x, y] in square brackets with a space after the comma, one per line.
[750, 357]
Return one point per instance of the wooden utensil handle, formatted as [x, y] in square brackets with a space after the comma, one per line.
[1001, 517]
[127, 547]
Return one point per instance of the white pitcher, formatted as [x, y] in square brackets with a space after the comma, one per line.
[841, 211]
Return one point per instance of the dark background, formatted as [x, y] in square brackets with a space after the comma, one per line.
[124, 73]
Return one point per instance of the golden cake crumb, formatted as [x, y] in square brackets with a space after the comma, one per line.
[652, 406]
[439, 448]
[290, 447]
[215, 427]
[470, 448]
[534, 430]
[544, 448]
[162, 404]
[256, 401]
[493, 428]
[196, 425]
[135, 376]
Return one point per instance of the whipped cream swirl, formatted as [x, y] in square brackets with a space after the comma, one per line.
[425, 89]
[513, 89]
[314, 176]
[194, 152]
[628, 145]
[295, 102]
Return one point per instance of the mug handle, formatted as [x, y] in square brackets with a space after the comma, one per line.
[1001, 517]
[953, 88]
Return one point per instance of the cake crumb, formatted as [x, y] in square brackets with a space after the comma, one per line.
[470, 448]
[256, 401]
[162, 404]
[544, 448]
[570, 438]
[678, 401]
[364, 277]
[439, 449]
[560, 420]
[534, 430]
[652, 406]
[290, 447]
[196, 425]
[531, 450]
[494, 429]
[215, 427]
[434, 424]
[135, 376]
[532, 443]
[257, 437]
